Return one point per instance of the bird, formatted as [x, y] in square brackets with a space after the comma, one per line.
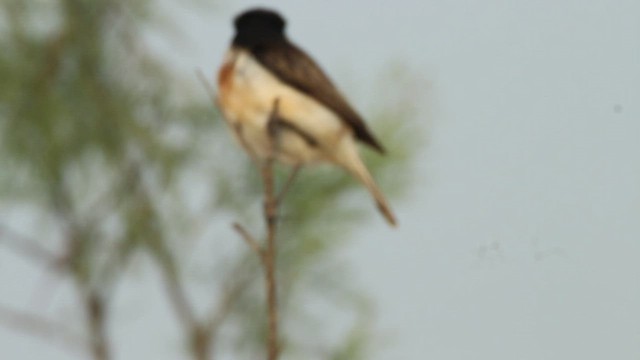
[281, 105]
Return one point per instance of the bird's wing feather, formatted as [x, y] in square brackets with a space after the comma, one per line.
[295, 68]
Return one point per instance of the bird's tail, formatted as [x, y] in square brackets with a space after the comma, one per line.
[352, 162]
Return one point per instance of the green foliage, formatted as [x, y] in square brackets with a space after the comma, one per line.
[94, 135]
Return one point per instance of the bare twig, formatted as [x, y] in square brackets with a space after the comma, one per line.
[42, 327]
[248, 238]
[270, 212]
[267, 253]
[231, 294]
[76, 240]
[287, 184]
[75, 244]
[207, 86]
[29, 248]
[267, 256]
[178, 298]
[198, 336]
[95, 306]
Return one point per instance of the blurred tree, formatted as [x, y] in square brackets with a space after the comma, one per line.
[101, 146]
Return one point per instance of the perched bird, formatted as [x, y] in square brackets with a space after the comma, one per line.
[281, 105]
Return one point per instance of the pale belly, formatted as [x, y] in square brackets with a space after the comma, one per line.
[247, 94]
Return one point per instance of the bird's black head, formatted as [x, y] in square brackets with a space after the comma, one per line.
[258, 27]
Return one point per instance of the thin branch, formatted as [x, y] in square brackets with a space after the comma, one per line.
[248, 238]
[271, 206]
[270, 215]
[29, 248]
[95, 306]
[226, 303]
[287, 185]
[267, 253]
[33, 251]
[198, 337]
[203, 79]
[108, 199]
[41, 327]
[219, 313]
[179, 299]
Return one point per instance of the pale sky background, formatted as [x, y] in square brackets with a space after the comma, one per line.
[521, 240]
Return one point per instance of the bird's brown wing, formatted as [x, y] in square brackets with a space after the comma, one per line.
[294, 67]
